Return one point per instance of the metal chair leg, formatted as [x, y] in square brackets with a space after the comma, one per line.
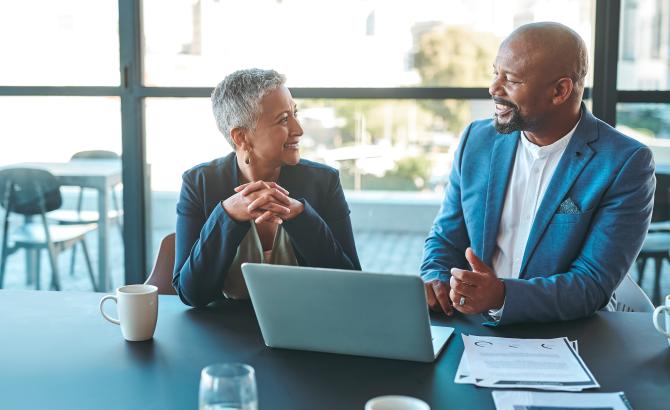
[89, 266]
[3, 264]
[5, 231]
[641, 263]
[3, 260]
[657, 280]
[4, 254]
[73, 258]
[32, 258]
[37, 272]
[119, 218]
[53, 254]
[53, 261]
[32, 266]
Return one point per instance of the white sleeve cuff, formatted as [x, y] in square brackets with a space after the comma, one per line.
[496, 314]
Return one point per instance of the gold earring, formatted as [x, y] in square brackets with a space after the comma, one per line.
[247, 160]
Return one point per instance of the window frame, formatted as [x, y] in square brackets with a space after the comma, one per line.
[137, 191]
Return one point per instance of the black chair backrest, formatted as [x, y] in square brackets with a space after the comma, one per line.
[661, 210]
[29, 191]
[95, 154]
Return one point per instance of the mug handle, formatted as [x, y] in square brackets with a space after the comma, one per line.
[657, 313]
[102, 302]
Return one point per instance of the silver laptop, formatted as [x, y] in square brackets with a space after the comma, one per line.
[342, 311]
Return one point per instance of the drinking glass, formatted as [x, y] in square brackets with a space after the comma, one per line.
[228, 386]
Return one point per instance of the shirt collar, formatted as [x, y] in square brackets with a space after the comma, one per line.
[542, 152]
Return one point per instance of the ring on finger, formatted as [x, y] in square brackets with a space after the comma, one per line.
[461, 301]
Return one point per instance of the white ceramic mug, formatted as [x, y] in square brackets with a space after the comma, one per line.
[657, 316]
[396, 403]
[137, 306]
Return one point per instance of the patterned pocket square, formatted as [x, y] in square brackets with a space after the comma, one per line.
[568, 207]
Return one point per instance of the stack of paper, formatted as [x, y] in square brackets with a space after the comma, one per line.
[548, 364]
[527, 400]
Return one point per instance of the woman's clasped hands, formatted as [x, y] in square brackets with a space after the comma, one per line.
[262, 201]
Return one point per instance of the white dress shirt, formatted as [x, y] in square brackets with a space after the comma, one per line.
[533, 169]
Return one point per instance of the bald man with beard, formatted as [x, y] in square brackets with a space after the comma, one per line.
[547, 206]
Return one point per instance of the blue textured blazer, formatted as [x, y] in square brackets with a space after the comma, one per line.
[207, 238]
[588, 229]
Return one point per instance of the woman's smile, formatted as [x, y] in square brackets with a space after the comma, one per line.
[292, 145]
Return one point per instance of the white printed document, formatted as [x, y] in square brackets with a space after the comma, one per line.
[548, 364]
[463, 375]
[528, 400]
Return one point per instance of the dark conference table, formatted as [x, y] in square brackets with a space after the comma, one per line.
[57, 352]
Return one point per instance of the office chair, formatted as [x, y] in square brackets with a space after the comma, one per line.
[32, 193]
[161, 274]
[656, 245]
[631, 298]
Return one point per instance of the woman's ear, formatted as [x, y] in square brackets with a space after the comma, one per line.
[239, 137]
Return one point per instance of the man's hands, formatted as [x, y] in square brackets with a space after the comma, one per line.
[479, 289]
[263, 202]
[437, 295]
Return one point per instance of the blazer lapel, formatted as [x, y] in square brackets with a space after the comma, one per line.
[577, 154]
[234, 175]
[500, 169]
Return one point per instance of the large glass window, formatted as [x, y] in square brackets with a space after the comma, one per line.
[644, 51]
[59, 43]
[389, 152]
[644, 120]
[392, 145]
[650, 124]
[46, 132]
[54, 128]
[181, 133]
[348, 43]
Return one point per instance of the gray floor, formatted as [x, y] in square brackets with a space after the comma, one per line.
[378, 252]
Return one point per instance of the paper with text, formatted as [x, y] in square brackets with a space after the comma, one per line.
[551, 364]
[528, 400]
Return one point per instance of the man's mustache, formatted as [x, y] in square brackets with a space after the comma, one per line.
[504, 102]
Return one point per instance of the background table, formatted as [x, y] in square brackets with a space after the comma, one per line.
[57, 352]
[100, 174]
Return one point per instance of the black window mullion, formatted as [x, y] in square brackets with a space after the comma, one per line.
[639, 96]
[70, 91]
[415, 93]
[136, 187]
[606, 55]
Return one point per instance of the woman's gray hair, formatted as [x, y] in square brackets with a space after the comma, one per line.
[236, 101]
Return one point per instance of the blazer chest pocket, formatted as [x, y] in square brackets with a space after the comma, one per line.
[561, 218]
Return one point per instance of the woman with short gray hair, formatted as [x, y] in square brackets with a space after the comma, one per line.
[261, 203]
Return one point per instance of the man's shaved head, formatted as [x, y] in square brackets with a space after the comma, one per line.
[539, 80]
[555, 48]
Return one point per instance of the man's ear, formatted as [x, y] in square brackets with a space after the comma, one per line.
[239, 137]
[563, 90]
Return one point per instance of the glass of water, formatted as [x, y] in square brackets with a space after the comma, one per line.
[228, 386]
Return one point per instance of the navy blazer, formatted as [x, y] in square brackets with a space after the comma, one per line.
[587, 231]
[207, 238]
